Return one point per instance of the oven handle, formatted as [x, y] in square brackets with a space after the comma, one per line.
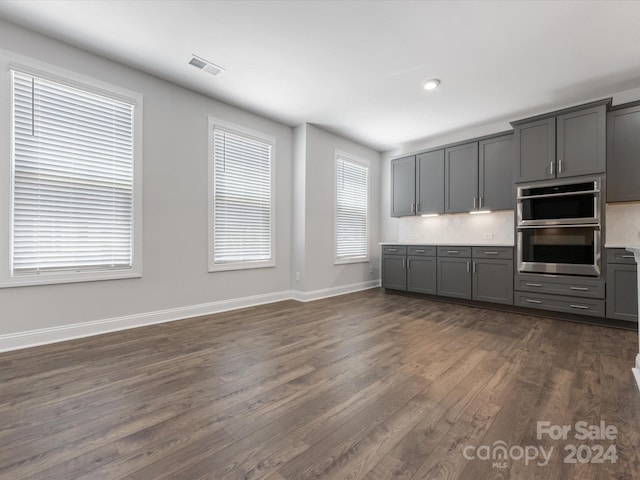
[554, 195]
[595, 226]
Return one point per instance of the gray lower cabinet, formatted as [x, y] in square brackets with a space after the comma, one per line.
[623, 154]
[394, 267]
[495, 173]
[403, 186]
[560, 303]
[578, 295]
[622, 285]
[461, 178]
[430, 182]
[454, 277]
[493, 280]
[474, 273]
[422, 274]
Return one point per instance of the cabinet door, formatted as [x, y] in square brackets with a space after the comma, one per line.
[622, 292]
[623, 155]
[493, 281]
[430, 182]
[403, 186]
[535, 150]
[461, 178]
[422, 275]
[394, 273]
[582, 142]
[495, 174]
[454, 277]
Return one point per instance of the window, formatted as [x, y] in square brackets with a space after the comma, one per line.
[352, 210]
[240, 198]
[73, 188]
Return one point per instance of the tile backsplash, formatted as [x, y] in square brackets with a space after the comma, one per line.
[496, 228]
[623, 224]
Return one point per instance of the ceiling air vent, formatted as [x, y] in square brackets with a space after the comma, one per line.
[205, 65]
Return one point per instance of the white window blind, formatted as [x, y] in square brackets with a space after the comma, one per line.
[72, 179]
[242, 198]
[352, 186]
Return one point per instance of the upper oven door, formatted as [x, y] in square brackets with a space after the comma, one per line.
[559, 204]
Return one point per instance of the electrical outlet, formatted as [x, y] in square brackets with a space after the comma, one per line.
[488, 236]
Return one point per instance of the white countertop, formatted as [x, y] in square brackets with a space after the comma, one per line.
[618, 245]
[457, 244]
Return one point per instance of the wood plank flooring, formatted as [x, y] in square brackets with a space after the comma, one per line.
[363, 386]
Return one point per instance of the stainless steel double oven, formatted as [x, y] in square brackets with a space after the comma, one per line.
[559, 226]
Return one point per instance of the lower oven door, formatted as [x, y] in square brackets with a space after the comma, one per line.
[561, 249]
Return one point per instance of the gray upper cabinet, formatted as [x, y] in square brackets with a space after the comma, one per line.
[461, 178]
[495, 173]
[430, 182]
[568, 144]
[403, 186]
[535, 150]
[623, 155]
[581, 148]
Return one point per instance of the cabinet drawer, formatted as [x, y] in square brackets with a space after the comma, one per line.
[620, 255]
[422, 250]
[394, 250]
[493, 252]
[581, 306]
[454, 251]
[582, 287]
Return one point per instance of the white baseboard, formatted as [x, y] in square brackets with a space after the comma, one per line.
[44, 336]
[636, 370]
[32, 338]
[334, 291]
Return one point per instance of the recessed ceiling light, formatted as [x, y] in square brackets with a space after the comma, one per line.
[206, 65]
[431, 84]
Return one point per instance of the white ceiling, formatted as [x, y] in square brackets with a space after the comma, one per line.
[356, 67]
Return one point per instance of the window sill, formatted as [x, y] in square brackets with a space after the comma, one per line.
[57, 278]
[345, 261]
[225, 267]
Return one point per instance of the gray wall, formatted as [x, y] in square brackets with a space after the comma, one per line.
[318, 270]
[175, 206]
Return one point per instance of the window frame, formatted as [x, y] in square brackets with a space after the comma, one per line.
[342, 155]
[213, 124]
[8, 62]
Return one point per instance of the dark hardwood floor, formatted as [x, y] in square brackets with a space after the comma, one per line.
[362, 386]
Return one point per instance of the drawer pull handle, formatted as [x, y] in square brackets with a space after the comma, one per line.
[581, 307]
[580, 289]
[533, 284]
[533, 301]
[627, 256]
[491, 253]
[453, 251]
[392, 249]
[419, 251]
